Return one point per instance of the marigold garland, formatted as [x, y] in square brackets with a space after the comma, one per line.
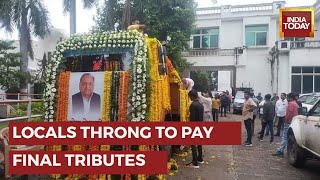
[62, 109]
[123, 96]
[184, 105]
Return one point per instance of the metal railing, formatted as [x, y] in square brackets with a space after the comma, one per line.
[18, 95]
[208, 52]
[29, 100]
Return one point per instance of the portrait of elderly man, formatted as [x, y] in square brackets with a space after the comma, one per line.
[86, 105]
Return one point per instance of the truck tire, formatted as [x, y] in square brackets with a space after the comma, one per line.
[296, 155]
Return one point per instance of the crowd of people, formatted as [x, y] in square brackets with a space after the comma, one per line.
[274, 111]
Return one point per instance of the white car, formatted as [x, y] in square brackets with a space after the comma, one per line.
[303, 136]
[310, 101]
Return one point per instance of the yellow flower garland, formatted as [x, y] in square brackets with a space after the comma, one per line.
[184, 105]
[160, 89]
[105, 113]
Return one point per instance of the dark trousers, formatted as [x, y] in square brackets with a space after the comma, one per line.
[215, 114]
[196, 154]
[248, 125]
[224, 109]
[270, 125]
[254, 117]
[279, 125]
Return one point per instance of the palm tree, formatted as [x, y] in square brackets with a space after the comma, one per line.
[30, 17]
[70, 6]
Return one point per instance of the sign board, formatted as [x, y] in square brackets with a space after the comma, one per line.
[296, 22]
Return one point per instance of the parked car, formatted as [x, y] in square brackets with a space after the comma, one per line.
[238, 102]
[310, 101]
[306, 97]
[303, 136]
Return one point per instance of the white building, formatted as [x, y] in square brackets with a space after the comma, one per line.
[244, 39]
[40, 47]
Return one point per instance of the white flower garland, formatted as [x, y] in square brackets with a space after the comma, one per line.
[103, 40]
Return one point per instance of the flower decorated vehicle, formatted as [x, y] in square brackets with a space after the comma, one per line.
[127, 78]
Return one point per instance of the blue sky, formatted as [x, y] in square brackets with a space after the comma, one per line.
[85, 17]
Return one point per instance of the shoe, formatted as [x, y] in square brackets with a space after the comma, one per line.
[192, 165]
[259, 132]
[201, 162]
[267, 134]
[279, 154]
[271, 142]
[248, 144]
[260, 139]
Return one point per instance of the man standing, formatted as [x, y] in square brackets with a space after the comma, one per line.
[224, 104]
[268, 115]
[216, 104]
[281, 109]
[274, 97]
[196, 114]
[206, 101]
[259, 97]
[187, 84]
[292, 111]
[247, 116]
[255, 111]
[86, 104]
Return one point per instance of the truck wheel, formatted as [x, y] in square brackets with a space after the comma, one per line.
[295, 153]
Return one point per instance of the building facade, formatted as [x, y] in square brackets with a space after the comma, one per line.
[244, 41]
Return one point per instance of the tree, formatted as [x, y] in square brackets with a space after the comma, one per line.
[30, 17]
[201, 80]
[70, 6]
[108, 15]
[11, 75]
[163, 19]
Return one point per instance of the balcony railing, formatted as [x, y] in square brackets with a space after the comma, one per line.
[304, 44]
[208, 52]
[204, 11]
[236, 9]
[252, 8]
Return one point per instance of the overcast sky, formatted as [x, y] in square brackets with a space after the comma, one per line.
[85, 17]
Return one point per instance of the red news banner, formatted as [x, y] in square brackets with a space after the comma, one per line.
[114, 133]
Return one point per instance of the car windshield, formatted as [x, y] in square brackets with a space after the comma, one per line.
[240, 95]
[312, 100]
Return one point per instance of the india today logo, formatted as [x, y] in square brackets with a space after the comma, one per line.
[296, 22]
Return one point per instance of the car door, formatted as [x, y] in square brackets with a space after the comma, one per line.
[312, 129]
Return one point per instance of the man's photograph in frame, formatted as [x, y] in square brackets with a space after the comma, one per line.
[85, 96]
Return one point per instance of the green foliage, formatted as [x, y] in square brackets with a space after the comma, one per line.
[36, 108]
[11, 75]
[109, 14]
[163, 19]
[30, 17]
[201, 80]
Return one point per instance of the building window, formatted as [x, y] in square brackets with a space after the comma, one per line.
[256, 35]
[305, 79]
[206, 38]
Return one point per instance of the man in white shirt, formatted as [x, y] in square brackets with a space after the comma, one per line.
[187, 84]
[281, 109]
[206, 101]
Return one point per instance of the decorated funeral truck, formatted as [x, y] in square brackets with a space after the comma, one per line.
[112, 77]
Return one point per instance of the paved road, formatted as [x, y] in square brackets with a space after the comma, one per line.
[246, 163]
